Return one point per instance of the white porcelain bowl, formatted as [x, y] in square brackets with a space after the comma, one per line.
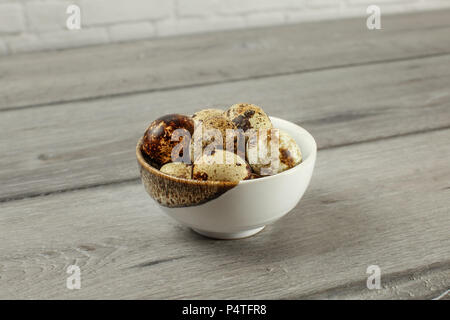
[246, 208]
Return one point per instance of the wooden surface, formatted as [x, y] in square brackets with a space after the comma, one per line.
[377, 102]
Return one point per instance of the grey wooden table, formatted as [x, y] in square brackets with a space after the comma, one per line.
[377, 102]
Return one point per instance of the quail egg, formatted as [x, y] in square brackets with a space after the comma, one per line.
[221, 165]
[210, 129]
[259, 153]
[202, 115]
[248, 116]
[177, 169]
[160, 138]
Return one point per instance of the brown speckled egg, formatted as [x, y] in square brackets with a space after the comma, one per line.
[178, 169]
[221, 165]
[248, 116]
[258, 152]
[220, 123]
[202, 115]
[157, 142]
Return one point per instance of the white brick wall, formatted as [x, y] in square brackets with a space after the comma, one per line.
[102, 12]
[11, 18]
[131, 31]
[47, 16]
[33, 25]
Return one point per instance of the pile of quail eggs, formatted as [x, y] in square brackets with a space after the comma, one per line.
[191, 147]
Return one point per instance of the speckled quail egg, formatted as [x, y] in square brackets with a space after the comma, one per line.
[178, 169]
[221, 165]
[157, 142]
[258, 152]
[248, 116]
[210, 126]
[202, 115]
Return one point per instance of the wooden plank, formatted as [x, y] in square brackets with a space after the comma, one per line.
[50, 77]
[429, 282]
[90, 143]
[383, 203]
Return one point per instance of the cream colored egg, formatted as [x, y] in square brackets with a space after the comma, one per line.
[248, 116]
[177, 169]
[221, 165]
[204, 114]
[260, 157]
[213, 130]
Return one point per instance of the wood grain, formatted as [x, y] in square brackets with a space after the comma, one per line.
[92, 143]
[377, 102]
[428, 282]
[43, 78]
[383, 203]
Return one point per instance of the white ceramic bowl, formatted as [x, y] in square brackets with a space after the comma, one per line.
[248, 207]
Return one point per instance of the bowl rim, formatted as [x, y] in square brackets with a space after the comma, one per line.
[152, 170]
